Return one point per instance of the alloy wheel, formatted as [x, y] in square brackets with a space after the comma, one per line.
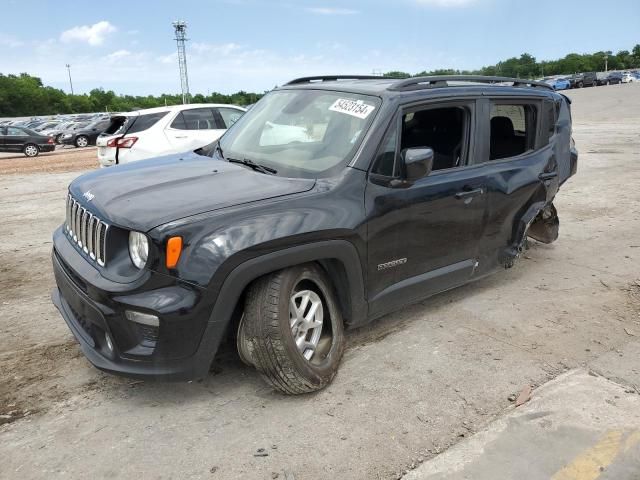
[306, 317]
[31, 151]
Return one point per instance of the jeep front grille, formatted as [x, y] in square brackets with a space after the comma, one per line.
[87, 231]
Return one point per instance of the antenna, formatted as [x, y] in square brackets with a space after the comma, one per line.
[181, 30]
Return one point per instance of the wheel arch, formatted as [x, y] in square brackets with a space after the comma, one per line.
[338, 258]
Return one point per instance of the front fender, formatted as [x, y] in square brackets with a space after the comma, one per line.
[351, 295]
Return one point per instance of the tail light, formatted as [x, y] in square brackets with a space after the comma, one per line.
[122, 142]
[50, 140]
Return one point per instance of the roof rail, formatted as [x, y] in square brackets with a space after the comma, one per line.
[419, 83]
[333, 78]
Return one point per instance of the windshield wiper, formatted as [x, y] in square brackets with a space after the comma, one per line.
[255, 166]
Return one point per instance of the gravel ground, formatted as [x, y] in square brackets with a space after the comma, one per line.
[63, 159]
[410, 385]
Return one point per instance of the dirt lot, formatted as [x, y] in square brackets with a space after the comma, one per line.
[63, 159]
[410, 385]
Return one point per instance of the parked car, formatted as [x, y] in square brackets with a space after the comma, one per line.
[586, 79]
[614, 78]
[602, 78]
[407, 188]
[82, 137]
[628, 78]
[21, 139]
[158, 131]
[558, 83]
[47, 126]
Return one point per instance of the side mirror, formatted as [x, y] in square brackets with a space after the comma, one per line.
[418, 162]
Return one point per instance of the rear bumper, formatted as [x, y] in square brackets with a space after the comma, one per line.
[47, 147]
[183, 346]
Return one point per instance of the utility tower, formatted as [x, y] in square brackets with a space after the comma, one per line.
[181, 31]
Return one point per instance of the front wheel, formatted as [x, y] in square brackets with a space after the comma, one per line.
[31, 150]
[81, 141]
[293, 330]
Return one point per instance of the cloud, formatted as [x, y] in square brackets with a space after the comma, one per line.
[445, 3]
[118, 54]
[92, 34]
[10, 41]
[332, 11]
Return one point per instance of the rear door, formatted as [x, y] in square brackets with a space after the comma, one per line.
[521, 168]
[193, 128]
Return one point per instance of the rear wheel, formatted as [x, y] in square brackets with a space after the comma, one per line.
[31, 150]
[81, 141]
[292, 329]
[580, 84]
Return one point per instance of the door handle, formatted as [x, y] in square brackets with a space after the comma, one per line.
[469, 193]
[547, 175]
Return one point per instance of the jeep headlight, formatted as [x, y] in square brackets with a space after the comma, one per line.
[138, 248]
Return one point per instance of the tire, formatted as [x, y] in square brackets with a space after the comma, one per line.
[31, 150]
[270, 325]
[580, 85]
[81, 142]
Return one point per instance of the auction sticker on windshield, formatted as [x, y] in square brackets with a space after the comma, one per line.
[355, 108]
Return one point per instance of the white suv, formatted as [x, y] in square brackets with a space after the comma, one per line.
[160, 131]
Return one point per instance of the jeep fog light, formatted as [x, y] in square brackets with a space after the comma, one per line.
[142, 318]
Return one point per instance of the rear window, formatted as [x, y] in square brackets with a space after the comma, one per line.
[144, 122]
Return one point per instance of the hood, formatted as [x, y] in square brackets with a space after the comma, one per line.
[145, 194]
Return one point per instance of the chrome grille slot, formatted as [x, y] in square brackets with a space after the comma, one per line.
[87, 231]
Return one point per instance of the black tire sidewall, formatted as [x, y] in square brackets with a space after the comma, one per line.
[325, 371]
[76, 142]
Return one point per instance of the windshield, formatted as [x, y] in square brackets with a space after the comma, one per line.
[301, 133]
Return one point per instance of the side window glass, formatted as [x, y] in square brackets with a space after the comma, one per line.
[14, 132]
[386, 161]
[230, 116]
[551, 118]
[178, 122]
[442, 130]
[512, 130]
[199, 119]
[144, 122]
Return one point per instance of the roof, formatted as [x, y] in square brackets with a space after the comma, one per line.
[173, 108]
[384, 86]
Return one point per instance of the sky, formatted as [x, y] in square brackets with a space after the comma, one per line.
[254, 45]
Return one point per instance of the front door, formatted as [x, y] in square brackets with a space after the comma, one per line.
[423, 237]
[15, 139]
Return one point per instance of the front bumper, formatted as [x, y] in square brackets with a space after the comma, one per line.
[183, 346]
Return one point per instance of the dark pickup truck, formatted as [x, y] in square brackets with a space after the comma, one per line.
[333, 201]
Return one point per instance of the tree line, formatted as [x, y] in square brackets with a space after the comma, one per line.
[25, 95]
[526, 66]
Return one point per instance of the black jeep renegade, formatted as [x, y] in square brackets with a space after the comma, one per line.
[333, 201]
